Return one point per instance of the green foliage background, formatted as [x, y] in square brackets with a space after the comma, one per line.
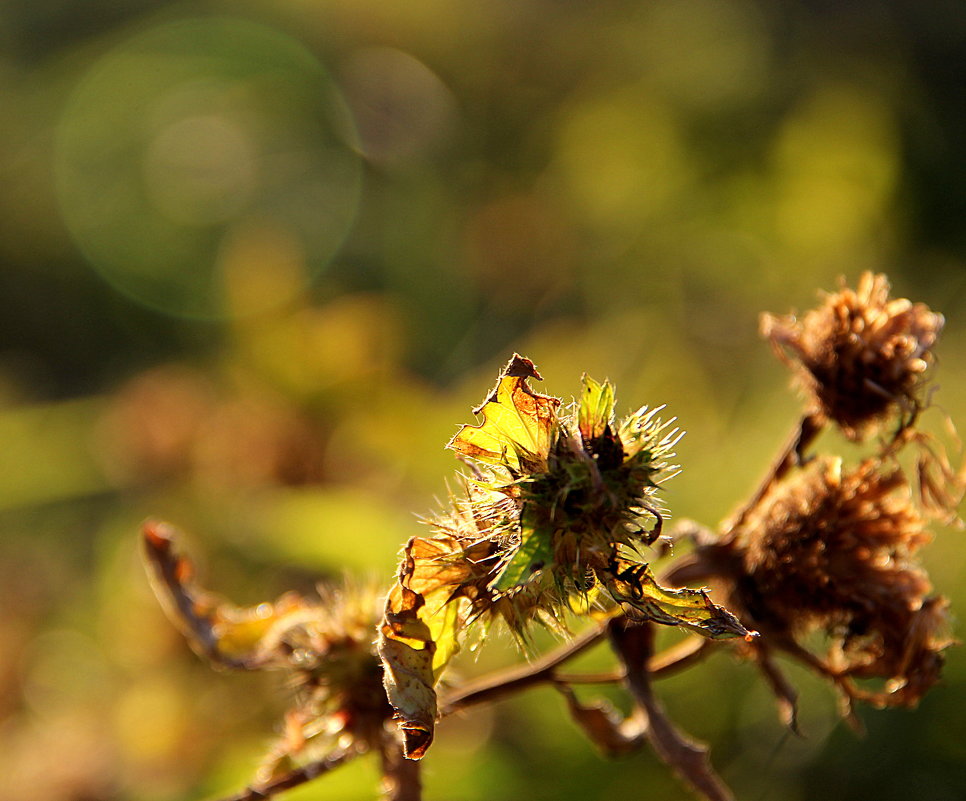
[258, 261]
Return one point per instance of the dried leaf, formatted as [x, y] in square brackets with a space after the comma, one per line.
[518, 424]
[604, 727]
[419, 634]
[633, 586]
[225, 634]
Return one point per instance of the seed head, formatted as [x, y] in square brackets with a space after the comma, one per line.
[325, 645]
[837, 551]
[551, 520]
[860, 355]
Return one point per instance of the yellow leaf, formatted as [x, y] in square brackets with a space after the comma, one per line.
[596, 408]
[227, 635]
[634, 587]
[518, 424]
[419, 634]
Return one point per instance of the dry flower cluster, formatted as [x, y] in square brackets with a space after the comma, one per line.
[552, 525]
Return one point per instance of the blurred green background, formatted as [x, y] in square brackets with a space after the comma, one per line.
[258, 261]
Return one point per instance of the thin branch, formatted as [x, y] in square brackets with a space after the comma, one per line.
[678, 657]
[606, 677]
[632, 643]
[791, 455]
[849, 694]
[297, 776]
[507, 682]
[785, 694]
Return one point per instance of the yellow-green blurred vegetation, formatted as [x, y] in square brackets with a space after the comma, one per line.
[259, 260]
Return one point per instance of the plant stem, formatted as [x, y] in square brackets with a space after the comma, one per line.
[507, 682]
[607, 677]
[400, 776]
[633, 643]
[504, 683]
[678, 657]
[791, 455]
[297, 776]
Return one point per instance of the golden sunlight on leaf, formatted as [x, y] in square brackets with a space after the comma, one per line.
[419, 635]
[224, 634]
[518, 424]
[635, 588]
[596, 408]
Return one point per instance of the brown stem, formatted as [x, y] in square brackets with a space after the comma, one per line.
[297, 776]
[633, 644]
[504, 683]
[400, 776]
[849, 694]
[785, 694]
[791, 455]
[678, 657]
[606, 677]
[507, 682]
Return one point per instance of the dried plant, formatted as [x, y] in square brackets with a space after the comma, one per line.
[861, 355]
[553, 524]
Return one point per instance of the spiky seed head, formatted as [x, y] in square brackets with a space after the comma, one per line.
[861, 355]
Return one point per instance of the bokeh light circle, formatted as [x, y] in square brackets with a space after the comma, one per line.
[197, 135]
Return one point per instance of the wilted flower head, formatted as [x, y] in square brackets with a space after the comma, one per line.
[324, 644]
[861, 355]
[837, 551]
[552, 520]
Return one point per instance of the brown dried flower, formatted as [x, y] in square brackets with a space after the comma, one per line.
[861, 354]
[324, 644]
[837, 551]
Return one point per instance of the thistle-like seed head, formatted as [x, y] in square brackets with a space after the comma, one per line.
[838, 552]
[861, 355]
[561, 492]
[551, 520]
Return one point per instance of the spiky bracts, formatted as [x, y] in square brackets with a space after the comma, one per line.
[570, 497]
[825, 548]
[861, 355]
[837, 551]
[552, 521]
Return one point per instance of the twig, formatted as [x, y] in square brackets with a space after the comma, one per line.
[785, 694]
[848, 692]
[297, 776]
[606, 677]
[633, 643]
[791, 455]
[507, 682]
[678, 657]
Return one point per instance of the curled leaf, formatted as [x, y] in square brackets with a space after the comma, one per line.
[634, 587]
[419, 633]
[227, 635]
[518, 424]
[604, 727]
